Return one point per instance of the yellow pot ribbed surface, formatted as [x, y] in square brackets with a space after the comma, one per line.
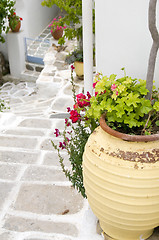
[79, 68]
[122, 193]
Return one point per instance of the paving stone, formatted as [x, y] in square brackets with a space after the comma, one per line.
[36, 123]
[50, 238]
[61, 56]
[60, 65]
[19, 157]
[52, 159]
[18, 142]
[43, 174]
[68, 90]
[6, 236]
[57, 79]
[24, 131]
[47, 145]
[62, 104]
[15, 101]
[23, 225]
[65, 74]
[48, 74]
[48, 199]
[5, 189]
[9, 172]
[60, 115]
[59, 123]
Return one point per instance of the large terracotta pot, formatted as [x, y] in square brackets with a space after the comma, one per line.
[57, 34]
[121, 178]
[79, 68]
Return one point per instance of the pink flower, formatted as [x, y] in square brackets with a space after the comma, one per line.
[72, 67]
[60, 17]
[74, 116]
[54, 19]
[80, 96]
[60, 27]
[117, 93]
[82, 101]
[88, 95]
[75, 106]
[67, 139]
[96, 93]
[113, 87]
[61, 145]
[67, 123]
[51, 30]
[57, 133]
[94, 84]
[57, 28]
[68, 109]
[64, 27]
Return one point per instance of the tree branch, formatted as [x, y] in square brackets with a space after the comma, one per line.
[154, 49]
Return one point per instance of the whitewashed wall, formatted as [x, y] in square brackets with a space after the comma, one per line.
[35, 19]
[123, 38]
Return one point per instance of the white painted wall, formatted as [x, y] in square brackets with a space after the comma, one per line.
[35, 19]
[123, 38]
[35, 16]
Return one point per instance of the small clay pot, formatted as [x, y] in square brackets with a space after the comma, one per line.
[17, 28]
[57, 34]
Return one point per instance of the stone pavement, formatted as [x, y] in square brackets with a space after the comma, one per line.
[37, 202]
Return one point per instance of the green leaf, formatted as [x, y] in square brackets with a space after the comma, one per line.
[157, 123]
[132, 99]
[120, 110]
[146, 106]
[112, 77]
[156, 106]
[143, 90]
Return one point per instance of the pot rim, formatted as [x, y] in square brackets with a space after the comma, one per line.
[78, 62]
[124, 136]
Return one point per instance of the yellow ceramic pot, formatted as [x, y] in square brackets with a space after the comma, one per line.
[121, 179]
[79, 68]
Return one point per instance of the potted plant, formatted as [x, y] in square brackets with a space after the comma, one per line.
[76, 57]
[120, 163]
[72, 18]
[14, 22]
[57, 27]
[6, 7]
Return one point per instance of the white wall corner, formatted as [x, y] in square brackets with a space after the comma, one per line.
[16, 53]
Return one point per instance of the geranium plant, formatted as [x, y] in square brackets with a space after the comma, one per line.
[57, 24]
[14, 20]
[74, 137]
[123, 100]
